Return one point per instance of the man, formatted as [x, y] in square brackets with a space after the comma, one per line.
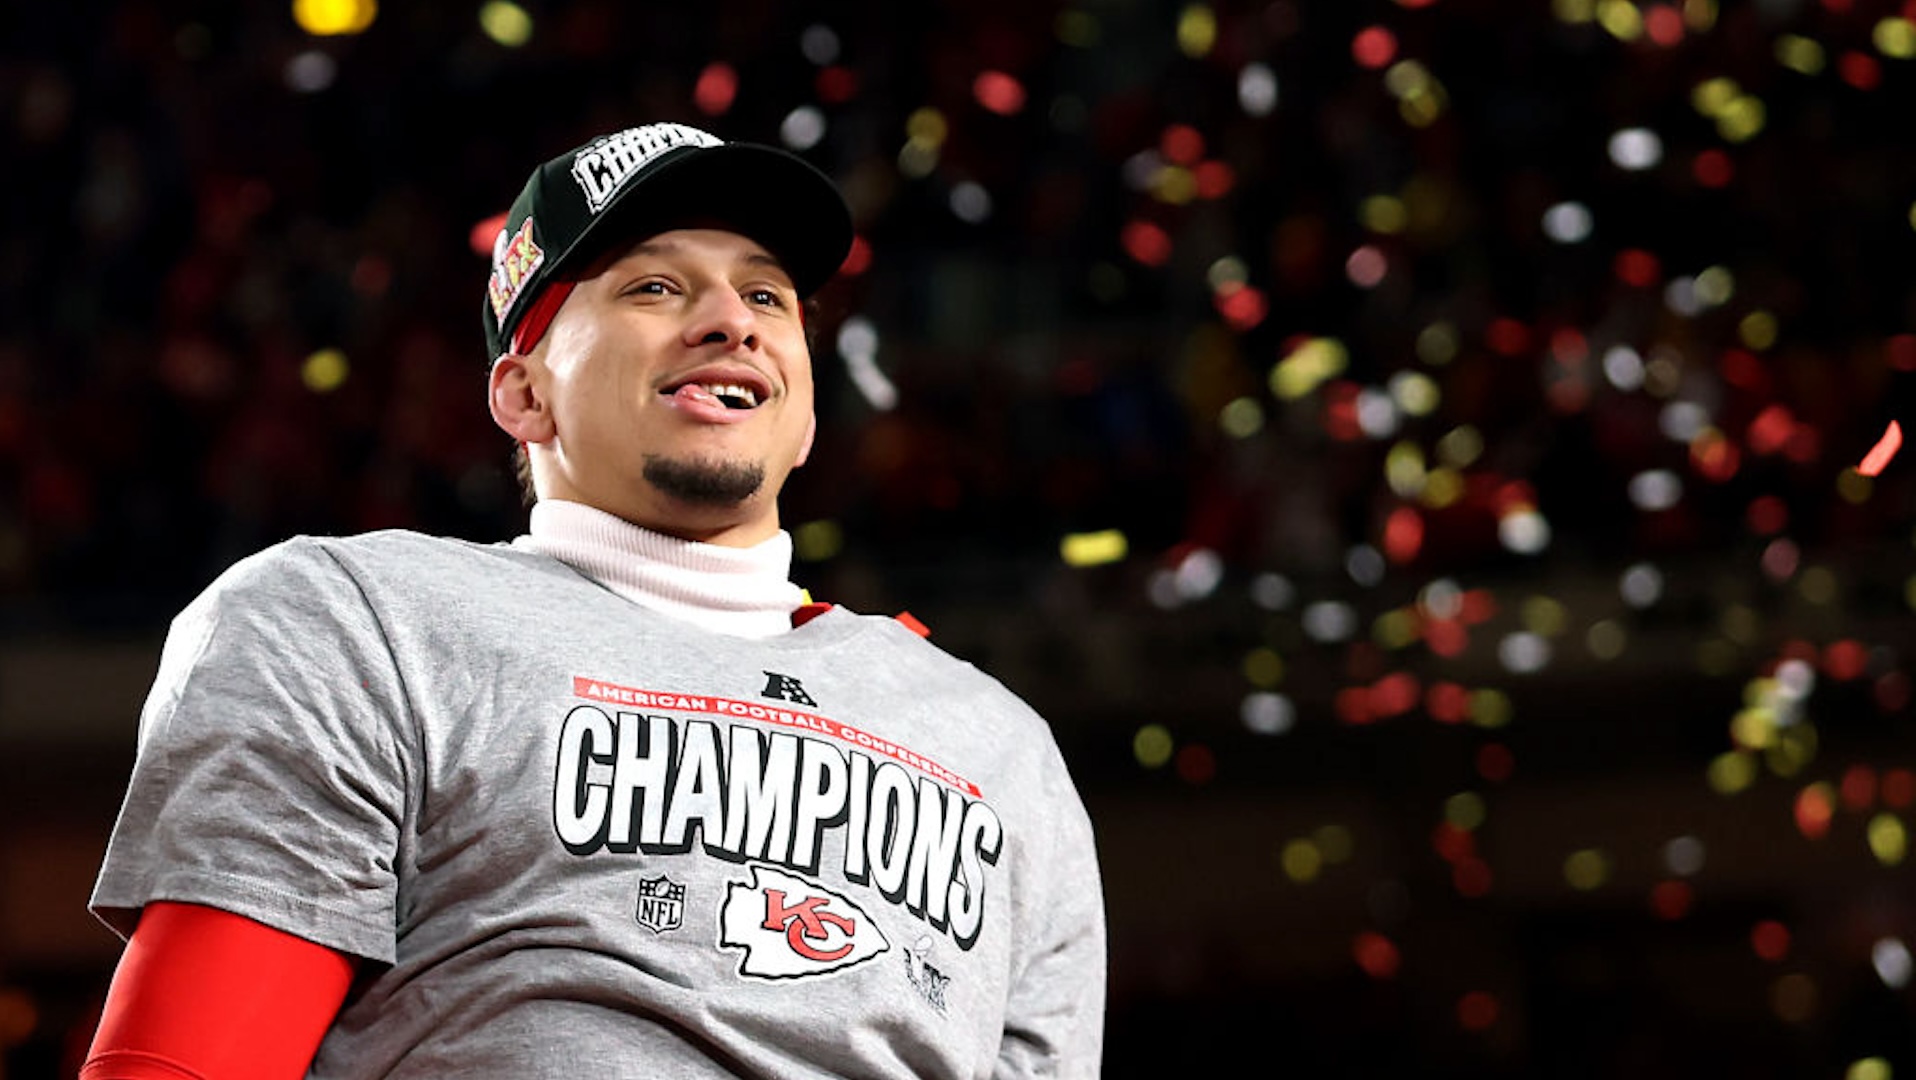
[611, 800]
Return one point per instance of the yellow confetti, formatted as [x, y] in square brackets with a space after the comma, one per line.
[1888, 839]
[1895, 38]
[1197, 30]
[327, 18]
[1094, 548]
[324, 371]
[1152, 745]
[506, 23]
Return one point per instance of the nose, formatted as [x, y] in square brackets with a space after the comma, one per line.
[721, 317]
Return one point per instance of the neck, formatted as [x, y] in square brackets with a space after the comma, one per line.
[732, 588]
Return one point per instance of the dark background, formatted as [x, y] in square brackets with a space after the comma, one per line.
[1348, 830]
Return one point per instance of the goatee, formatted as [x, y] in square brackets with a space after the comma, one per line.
[705, 483]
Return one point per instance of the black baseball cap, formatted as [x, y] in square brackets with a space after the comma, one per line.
[635, 183]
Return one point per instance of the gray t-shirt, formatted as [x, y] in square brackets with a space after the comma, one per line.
[579, 838]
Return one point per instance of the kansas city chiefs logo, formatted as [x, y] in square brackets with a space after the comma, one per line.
[790, 928]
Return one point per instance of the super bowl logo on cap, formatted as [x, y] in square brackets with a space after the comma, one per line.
[603, 167]
[513, 263]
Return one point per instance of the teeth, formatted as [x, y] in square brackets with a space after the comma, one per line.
[729, 390]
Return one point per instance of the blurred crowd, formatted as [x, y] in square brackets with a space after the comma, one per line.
[240, 278]
[1370, 328]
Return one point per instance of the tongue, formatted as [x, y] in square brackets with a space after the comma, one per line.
[695, 392]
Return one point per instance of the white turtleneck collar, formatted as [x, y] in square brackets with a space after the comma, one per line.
[745, 592]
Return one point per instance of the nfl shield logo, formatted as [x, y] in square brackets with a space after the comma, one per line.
[661, 904]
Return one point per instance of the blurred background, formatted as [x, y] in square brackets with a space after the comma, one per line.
[1408, 450]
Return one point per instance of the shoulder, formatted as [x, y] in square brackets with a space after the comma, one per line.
[375, 553]
[912, 653]
[315, 573]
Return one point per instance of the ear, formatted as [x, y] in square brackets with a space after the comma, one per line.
[805, 448]
[517, 403]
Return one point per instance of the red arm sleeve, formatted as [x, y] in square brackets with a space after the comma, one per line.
[203, 994]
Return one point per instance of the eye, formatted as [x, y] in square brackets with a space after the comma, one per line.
[766, 297]
[649, 287]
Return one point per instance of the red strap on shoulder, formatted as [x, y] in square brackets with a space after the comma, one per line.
[807, 612]
[204, 994]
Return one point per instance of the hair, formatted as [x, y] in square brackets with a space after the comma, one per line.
[522, 461]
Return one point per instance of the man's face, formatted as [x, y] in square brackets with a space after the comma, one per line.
[679, 388]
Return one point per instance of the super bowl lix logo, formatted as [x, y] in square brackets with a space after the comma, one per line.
[790, 928]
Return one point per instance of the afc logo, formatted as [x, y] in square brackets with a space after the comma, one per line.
[786, 688]
[661, 904]
[790, 928]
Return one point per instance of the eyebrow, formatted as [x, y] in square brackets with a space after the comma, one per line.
[667, 247]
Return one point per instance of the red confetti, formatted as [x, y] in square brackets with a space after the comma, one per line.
[1477, 1010]
[1196, 764]
[1899, 788]
[1447, 703]
[1181, 144]
[1569, 347]
[1374, 47]
[1455, 845]
[1813, 812]
[998, 92]
[1714, 457]
[1741, 368]
[1495, 762]
[1479, 605]
[1885, 449]
[1514, 495]
[1713, 169]
[1670, 900]
[1770, 939]
[1353, 705]
[485, 233]
[1804, 445]
[1770, 431]
[1845, 659]
[1634, 266]
[716, 88]
[1860, 70]
[1376, 954]
[1340, 411]
[1213, 179]
[1858, 788]
[1471, 878]
[1767, 515]
[1146, 242]
[1446, 637]
[1568, 395]
[1508, 336]
[1663, 24]
[836, 84]
[1242, 306]
[1403, 534]
[1395, 694]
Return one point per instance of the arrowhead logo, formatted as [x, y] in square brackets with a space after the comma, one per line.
[790, 928]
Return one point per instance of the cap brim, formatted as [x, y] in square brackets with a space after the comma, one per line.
[777, 199]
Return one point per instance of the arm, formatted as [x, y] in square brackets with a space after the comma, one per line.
[1054, 1017]
[203, 994]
